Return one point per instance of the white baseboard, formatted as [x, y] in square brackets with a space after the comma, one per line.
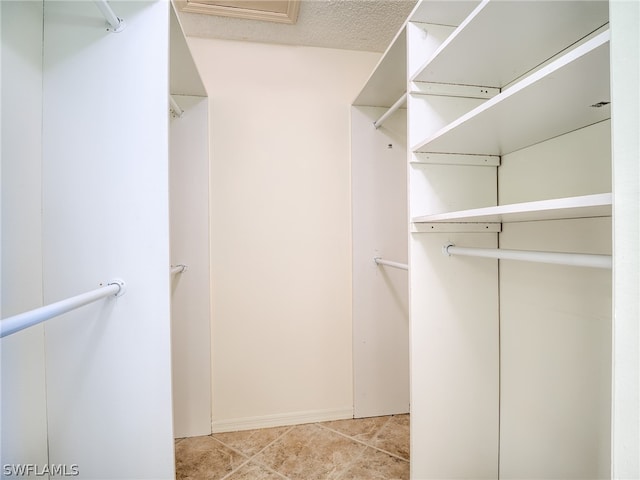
[280, 420]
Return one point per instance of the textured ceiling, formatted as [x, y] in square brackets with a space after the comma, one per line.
[367, 25]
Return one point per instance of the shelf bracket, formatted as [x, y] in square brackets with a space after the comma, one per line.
[453, 90]
[452, 227]
[455, 159]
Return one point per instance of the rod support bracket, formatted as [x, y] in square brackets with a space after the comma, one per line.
[122, 287]
[445, 248]
[118, 28]
[179, 268]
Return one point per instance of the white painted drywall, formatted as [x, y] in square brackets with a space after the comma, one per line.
[280, 226]
[105, 215]
[23, 424]
[190, 290]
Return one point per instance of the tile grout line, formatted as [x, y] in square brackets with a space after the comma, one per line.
[357, 440]
[233, 470]
[267, 446]
[378, 434]
[368, 444]
[252, 457]
[381, 428]
[352, 462]
[235, 450]
[316, 424]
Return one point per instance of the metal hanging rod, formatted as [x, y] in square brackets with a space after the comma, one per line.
[180, 268]
[24, 320]
[175, 108]
[117, 24]
[573, 259]
[388, 263]
[378, 123]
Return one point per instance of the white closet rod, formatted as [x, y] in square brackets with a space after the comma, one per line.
[574, 259]
[175, 108]
[24, 320]
[378, 123]
[388, 263]
[178, 268]
[117, 24]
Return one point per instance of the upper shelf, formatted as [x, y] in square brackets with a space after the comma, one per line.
[388, 82]
[443, 12]
[184, 78]
[490, 48]
[597, 205]
[559, 98]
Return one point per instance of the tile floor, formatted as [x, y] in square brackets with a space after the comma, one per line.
[375, 448]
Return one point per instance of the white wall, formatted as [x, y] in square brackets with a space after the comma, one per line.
[23, 424]
[281, 252]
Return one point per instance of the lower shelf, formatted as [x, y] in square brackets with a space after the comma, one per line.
[597, 205]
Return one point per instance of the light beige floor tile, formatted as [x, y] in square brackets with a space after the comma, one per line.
[363, 429]
[250, 442]
[393, 437]
[204, 458]
[310, 452]
[377, 465]
[303, 452]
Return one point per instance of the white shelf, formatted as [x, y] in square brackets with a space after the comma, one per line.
[388, 82]
[597, 205]
[443, 12]
[489, 48]
[554, 100]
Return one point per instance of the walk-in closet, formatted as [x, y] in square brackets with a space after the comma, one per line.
[237, 247]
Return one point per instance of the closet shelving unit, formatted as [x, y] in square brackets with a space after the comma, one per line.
[512, 77]
[510, 84]
[508, 147]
